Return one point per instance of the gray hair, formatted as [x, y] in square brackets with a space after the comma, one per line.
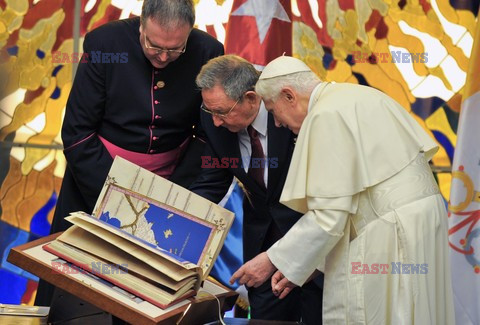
[233, 73]
[170, 13]
[302, 82]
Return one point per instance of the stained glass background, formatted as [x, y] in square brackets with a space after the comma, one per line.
[327, 34]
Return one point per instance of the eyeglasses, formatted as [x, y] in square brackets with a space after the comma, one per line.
[174, 52]
[217, 114]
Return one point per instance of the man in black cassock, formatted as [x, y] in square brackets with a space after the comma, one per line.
[134, 96]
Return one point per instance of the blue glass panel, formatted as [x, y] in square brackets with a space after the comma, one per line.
[39, 224]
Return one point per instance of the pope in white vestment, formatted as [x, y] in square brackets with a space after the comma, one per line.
[374, 221]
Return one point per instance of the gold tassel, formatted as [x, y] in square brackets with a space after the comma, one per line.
[244, 190]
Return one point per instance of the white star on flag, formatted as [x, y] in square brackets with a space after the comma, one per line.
[264, 12]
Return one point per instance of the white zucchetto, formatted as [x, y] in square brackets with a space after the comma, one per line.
[283, 65]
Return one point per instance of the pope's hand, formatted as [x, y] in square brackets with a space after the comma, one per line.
[281, 286]
[254, 272]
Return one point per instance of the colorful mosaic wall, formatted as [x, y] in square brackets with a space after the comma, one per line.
[31, 112]
[355, 41]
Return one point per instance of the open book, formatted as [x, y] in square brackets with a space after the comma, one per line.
[147, 236]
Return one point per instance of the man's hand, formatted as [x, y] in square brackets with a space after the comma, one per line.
[254, 272]
[281, 286]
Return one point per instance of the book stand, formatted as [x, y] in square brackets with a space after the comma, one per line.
[203, 307]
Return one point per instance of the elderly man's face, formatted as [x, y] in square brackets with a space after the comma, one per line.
[163, 45]
[285, 113]
[233, 114]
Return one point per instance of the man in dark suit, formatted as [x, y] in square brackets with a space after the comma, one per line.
[244, 142]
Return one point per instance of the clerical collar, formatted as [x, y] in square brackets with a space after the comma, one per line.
[315, 95]
[261, 121]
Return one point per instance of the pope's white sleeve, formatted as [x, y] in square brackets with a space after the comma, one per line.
[306, 245]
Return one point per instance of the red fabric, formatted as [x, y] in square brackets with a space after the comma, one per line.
[211, 30]
[242, 37]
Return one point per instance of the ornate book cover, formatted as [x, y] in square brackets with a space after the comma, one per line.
[163, 214]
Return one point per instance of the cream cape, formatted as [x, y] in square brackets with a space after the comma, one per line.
[346, 134]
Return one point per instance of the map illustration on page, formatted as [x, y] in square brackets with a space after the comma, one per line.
[177, 232]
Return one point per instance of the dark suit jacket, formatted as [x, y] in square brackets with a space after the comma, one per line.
[262, 207]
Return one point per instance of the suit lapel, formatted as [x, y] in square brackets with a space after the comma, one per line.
[228, 145]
